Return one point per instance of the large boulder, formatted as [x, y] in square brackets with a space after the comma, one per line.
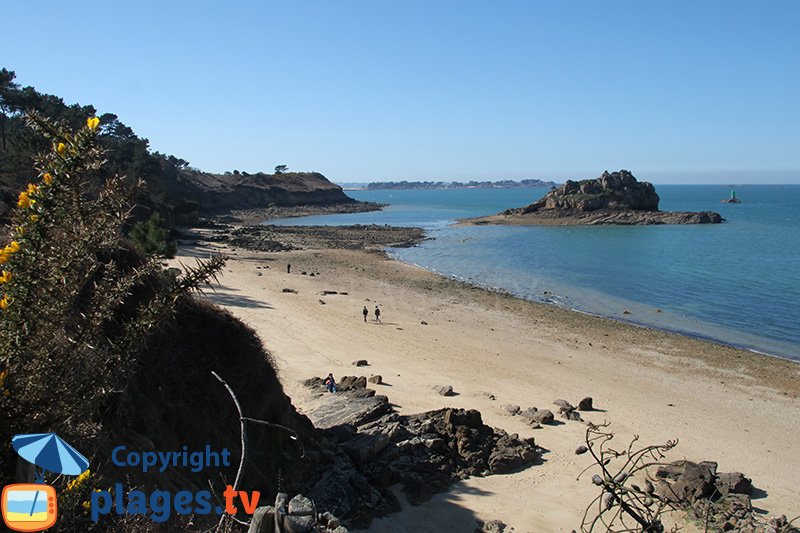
[544, 416]
[352, 382]
[734, 483]
[686, 481]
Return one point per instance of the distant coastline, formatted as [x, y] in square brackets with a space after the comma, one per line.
[432, 185]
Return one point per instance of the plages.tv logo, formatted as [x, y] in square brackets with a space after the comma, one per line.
[34, 506]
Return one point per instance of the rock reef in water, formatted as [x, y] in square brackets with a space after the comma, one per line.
[613, 198]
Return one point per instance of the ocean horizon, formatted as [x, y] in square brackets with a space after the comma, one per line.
[735, 283]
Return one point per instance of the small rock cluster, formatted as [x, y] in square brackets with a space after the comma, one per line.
[689, 481]
[536, 417]
[721, 498]
[298, 515]
[493, 526]
[356, 385]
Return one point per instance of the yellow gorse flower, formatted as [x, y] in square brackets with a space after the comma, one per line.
[3, 376]
[8, 251]
[4, 302]
[47, 178]
[5, 277]
[24, 201]
[33, 190]
[61, 148]
[78, 480]
[20, 231]
[34, 218]
[92, 123]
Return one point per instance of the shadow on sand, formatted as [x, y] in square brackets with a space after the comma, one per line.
[443, 512]
[758, 494]
[226, 296]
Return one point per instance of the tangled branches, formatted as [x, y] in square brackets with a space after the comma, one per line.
[624, 505]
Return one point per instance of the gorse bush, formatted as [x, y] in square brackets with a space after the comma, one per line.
[77, 300]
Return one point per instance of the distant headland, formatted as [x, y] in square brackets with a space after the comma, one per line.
[613, 198]
[502, 184]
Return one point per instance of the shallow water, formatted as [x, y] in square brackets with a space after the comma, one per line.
[737, 282]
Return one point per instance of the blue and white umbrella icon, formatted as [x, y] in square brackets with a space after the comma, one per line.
[49, 452]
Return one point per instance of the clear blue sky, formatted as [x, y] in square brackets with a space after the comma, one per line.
[679, 91]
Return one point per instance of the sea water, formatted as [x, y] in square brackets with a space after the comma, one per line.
[736, 282]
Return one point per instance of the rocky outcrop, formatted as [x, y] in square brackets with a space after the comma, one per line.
[616, 191]
[424, 453]
[613, 198]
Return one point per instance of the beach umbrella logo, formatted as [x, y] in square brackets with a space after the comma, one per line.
[33, 506]
[50, 452]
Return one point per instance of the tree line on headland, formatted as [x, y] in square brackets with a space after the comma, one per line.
[501, 184]
[172, 191]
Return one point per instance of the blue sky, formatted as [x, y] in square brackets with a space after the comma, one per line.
[677, 92]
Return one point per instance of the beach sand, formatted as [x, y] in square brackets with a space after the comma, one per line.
[731, 406]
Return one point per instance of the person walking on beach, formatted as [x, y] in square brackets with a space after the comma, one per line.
[377, 314]
[366, 313]
[288, 268]
[330, 383]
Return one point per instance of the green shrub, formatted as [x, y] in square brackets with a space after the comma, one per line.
[152, 237]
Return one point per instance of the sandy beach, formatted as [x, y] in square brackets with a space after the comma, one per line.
[734, 407]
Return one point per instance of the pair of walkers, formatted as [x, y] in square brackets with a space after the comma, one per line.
[365, 312]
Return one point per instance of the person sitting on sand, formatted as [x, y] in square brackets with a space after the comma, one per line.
[330, 383]
[377, 314]
[366, 313]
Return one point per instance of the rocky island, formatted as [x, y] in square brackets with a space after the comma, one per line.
[613, 198]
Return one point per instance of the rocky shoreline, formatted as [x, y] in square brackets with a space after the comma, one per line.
[270, 238]
[274, 212]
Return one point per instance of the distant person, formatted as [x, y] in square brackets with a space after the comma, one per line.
[377, 314]
[366, 313]
[288, 268]
[330, 383]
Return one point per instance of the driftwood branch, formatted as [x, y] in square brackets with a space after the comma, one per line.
[243, 430]
[243, 420]
[619, 501]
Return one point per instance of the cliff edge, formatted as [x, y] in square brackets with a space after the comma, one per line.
[243, 191]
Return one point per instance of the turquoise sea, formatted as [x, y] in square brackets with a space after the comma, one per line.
[736, 282]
